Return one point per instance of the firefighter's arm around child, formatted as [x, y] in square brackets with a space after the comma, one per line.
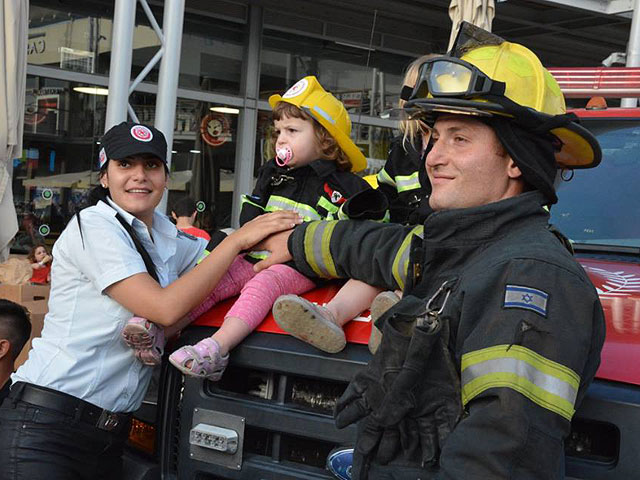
[364, 250]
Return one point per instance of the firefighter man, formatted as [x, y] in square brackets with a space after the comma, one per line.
[498, 335]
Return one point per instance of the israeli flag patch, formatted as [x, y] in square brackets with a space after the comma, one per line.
[517, 296]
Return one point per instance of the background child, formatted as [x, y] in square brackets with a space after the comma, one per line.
[403, 178]
[40, 264]
[404, 183]
[184, 213]
[309, 175]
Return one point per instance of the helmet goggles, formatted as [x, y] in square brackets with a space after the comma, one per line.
[452, 77]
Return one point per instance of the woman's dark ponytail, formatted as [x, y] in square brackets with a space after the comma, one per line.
[95, 195]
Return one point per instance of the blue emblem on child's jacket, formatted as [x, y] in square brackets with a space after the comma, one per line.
[517, 296]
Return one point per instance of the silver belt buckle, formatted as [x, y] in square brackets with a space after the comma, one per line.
[108, 421]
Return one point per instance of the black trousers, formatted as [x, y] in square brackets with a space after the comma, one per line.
[37, 442]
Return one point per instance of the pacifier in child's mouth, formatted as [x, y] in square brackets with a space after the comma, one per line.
[283, 156]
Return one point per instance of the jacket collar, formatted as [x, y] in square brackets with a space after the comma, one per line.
[469, 226]
[322, 168]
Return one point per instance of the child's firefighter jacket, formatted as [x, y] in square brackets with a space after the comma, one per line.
[317, 191]
[526, 326]
[404, 182]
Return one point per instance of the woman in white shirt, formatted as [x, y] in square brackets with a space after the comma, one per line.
[68, 412]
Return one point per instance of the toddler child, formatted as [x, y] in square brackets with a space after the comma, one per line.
[404, 182]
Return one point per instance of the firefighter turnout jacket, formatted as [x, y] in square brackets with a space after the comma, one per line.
[526, 326]
[404, 182]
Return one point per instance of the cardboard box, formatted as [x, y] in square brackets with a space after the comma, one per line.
[37, 322]
[36, 307]
[24, 293]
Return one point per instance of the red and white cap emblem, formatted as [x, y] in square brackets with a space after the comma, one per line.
[102, 157]
[141, 133]
[297, 89]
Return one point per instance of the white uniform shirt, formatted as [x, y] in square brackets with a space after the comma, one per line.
[81, 351]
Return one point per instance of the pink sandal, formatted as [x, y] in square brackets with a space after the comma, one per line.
[146, 339]
[205, 359]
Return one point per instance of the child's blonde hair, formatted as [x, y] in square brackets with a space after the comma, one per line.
[328, 145]
[410, 129]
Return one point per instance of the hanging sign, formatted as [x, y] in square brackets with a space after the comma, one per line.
[215, 129]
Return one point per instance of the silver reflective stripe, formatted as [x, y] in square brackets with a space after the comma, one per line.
[383, 177]
[401, 261]
[407, 182]
[275, 204]
[324, 114]
[318, 248]
[522, 369]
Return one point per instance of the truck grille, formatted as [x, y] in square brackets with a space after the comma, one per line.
[286, 407]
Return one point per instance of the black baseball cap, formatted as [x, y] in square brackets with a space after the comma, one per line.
[128, 138]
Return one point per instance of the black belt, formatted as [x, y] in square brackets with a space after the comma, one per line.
[71, 406]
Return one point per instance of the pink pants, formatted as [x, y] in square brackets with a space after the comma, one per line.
[257, 291]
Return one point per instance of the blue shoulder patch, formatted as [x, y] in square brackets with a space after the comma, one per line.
[517, 296]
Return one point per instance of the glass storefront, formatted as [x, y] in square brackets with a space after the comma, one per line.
[211, 52]
[65, 117]
[358, 76]
[63, 125]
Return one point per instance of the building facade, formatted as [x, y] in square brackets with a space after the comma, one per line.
[358, 50]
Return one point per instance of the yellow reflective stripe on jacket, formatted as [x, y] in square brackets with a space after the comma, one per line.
[258, 254]
[245, 199]
[317, 239]
[277, 203]
[407, 182]
[328, 206]
[401, 260]
[205, 254]
[384, 177]
[546, 383]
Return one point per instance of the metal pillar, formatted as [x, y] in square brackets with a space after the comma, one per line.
[633, 50]
[248, 118]
[382, 92]
[120, 68]
[168, 77]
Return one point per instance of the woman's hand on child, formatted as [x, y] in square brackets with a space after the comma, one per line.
[263, 226]
[277, 245]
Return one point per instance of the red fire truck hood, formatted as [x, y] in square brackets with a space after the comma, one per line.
[618, 284]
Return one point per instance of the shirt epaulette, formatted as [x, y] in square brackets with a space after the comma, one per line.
[186, 235]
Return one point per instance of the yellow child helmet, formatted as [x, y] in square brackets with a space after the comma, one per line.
[308, 95]
[505, 79]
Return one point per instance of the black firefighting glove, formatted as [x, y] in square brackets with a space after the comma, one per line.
[438, 401]
[423, 406]
[387, 424]
[369, 386]
[369, 204]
